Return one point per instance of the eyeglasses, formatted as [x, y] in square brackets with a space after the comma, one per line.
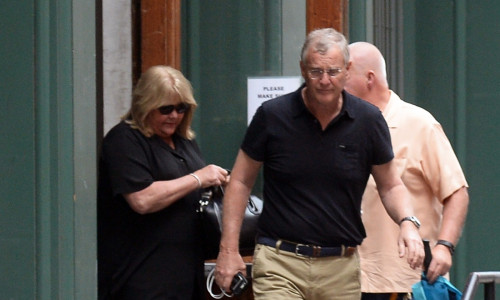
[318, 73]
[168, 109]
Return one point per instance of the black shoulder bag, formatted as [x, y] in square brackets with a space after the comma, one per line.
[210, 210]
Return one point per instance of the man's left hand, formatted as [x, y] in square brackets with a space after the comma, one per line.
[440, 263]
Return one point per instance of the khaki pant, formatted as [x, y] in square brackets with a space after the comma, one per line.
[281, 275]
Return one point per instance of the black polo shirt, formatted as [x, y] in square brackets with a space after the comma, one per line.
[314, 179]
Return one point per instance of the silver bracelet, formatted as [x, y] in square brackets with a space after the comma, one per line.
[197, 179]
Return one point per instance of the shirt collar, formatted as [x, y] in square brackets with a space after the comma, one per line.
[299, 107]
[391, 109]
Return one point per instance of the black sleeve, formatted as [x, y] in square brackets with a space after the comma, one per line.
[381, 140]
[124, 155]
[254, 142]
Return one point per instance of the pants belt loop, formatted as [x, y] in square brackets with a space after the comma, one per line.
[278, 246]
[316, 251]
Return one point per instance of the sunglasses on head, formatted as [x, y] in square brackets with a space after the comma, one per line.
[168, 109]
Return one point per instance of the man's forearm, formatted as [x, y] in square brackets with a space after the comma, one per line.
[454, 215]
[397, 203]
[235, 202]
[392, 191]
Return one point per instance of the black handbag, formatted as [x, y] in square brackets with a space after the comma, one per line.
[210, 210]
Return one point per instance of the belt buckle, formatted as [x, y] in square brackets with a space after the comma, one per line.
[315, 253]
[297, 250]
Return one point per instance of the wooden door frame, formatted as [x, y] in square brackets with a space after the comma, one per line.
[327, 13]
[160, 28]
[160, 33]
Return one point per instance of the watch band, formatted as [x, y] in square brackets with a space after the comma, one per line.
[448, 245]
[412, 219]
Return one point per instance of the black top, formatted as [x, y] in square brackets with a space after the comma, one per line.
[150, 255]
[314, 179]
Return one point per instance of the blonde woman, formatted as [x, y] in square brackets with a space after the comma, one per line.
[151, 173]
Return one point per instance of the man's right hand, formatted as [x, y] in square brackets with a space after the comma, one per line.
[229, 263]
[410, 243]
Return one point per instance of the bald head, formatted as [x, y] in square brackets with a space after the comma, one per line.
[365, 56]
[367, 74]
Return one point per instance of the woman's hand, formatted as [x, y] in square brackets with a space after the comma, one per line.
[161, 194]
[212, 175]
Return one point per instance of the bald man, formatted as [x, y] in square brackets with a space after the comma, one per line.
[430, 170]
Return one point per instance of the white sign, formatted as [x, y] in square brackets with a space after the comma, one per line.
[261, 89]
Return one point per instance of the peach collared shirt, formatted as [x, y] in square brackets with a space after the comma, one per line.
[431, 171]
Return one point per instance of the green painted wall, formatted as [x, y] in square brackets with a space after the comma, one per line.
[482, 70]
[435, 57]
[48, 140]
[17, 155]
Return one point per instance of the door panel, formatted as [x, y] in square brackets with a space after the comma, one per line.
[17, 202]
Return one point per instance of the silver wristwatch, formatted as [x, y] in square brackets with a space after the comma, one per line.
[412, 219]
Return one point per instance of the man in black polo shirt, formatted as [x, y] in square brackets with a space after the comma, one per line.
[318, 146]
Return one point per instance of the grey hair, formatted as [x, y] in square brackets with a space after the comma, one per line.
[321, 40]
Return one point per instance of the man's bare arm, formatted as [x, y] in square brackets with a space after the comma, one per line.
[229, 261]
[396, 200]
[454, 214]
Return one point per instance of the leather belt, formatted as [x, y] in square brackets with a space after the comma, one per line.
[306, 250]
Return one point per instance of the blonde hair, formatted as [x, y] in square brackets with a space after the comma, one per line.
[159, 86]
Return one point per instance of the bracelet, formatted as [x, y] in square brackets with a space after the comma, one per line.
[197, 179]
[448, 245]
